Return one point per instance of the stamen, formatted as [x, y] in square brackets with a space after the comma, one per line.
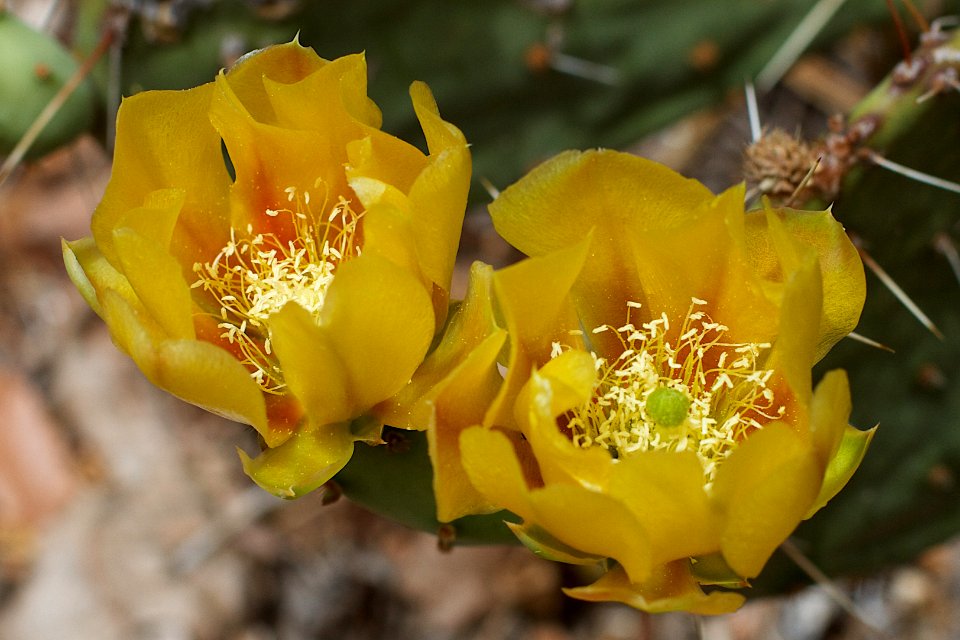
[660, 395]
[253, 277]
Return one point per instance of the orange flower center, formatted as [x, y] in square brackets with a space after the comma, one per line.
[254, 276]
[696, 391]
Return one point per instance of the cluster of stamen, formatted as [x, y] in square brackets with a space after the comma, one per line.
[697, 392]
[256, 274]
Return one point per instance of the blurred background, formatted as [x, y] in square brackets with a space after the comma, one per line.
[124, 513]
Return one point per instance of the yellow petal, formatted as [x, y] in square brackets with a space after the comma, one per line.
[165, 140]
[670, 588]
[376, 162]
[311, 457]
[560, 201]
[332, 99]
[844, 287]
[197, 372]
[312, 368]
[829, 414]
[286, 63]
[380, 321]
[548, 547]
[572, 376]
[624, 199]
[846, 459]
[559, 459]
[269, 159]
[157, 218]
[532, 297]
[469, 326]
[703, 258]
[459, 402]
[493, 468]
[764, 489]
[158, 281]
[794, 350]
[438, 197]
[388, 233]
[92, 274]
[664, 490]
[593, 523]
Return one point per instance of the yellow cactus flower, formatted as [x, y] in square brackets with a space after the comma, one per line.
[265, 251]
[669, 429]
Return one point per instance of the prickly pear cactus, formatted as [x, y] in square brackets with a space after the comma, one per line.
[35, 67]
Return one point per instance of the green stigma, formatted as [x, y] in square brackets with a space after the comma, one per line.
[667, 406]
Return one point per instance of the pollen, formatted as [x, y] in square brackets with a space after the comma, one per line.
[257, 273]
[687, 390]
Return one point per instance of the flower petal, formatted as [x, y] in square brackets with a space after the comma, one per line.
[167, 142]
[794, 351]
[334, 95]
[312, 368]
[438, 197]
[158, 281]
[547, 547]
[593, 523]
[844, 285]
[380, 321]
[493, 468]
[93, 274]
[311, 457]
[829, 414]
[664, 490]
[848, 456]
[469, 326]
[532, 297]
[268, 160]
[286, 63]
[197, 372]
[764, 488]
[455, 410]
[613, 194]
[671, 588]
[559, 459]
[587, 521]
